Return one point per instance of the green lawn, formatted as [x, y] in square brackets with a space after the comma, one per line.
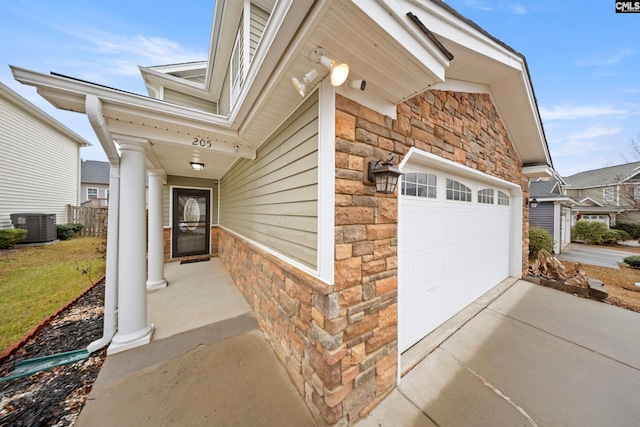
[37, 281]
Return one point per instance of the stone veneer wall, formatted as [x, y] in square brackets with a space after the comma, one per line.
[339, 343]
[215, 232]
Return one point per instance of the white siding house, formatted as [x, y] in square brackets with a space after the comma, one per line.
[40, 160]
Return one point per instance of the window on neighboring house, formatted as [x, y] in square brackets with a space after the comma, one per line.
[419, 185]
[485, 196]
[608, 195]
[503, 198]
[636, 193]
[458, 191]
[92, 193]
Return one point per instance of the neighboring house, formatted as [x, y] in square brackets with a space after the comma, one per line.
[94, 182]
[255, 156]
[552, 211]
[607, 195]
[40, 161]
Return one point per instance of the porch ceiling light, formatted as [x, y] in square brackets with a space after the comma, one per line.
[533, 203]
[302, 83]
[384, 175]
[197, 166]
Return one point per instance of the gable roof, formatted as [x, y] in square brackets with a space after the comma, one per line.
[544, 188]
[384, 41]
[94, 172]
[603, 176]
[40, 115]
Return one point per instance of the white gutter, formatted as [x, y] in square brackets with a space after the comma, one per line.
[93, 106]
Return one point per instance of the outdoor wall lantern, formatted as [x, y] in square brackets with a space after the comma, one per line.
[338, 72]
[384, 175]
[197, 166]
[533, 203]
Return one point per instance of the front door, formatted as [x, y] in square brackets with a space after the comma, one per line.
[190, 223]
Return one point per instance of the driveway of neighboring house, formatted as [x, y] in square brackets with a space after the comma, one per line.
[534, 356]
[583, 254]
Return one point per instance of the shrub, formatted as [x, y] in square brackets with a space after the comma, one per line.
[622, 235]
[67, 231]
[77, 227]
[633, 261]
[631, 228]
[589, 231]
[539, 239]
[11, 236]
[610, 237]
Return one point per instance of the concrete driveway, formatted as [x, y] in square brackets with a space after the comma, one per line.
[610, 258]
[532, 357]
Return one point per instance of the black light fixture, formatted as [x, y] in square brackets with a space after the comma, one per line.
[384, 175]
[197, 166]
[533, 203]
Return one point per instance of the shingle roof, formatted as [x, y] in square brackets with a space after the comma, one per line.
[94, 172]
[603, 176]
[544, 188]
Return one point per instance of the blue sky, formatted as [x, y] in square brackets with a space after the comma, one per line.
[584, 60]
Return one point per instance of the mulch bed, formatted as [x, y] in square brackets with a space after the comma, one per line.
[55, 397]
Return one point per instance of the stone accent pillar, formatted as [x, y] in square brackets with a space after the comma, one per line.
[133, 329]
[155, 275]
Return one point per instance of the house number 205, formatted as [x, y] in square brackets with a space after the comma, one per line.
[201, 142]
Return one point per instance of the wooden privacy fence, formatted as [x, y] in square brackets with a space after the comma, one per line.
[93, 219]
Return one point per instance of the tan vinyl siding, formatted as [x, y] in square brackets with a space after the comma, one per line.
[187, 182]
[39, 170]
[225, 96]
[273, 199]
[189, 101]
[259, 20]
[237, 65]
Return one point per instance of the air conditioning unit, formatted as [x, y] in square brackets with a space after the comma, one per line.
[40, 227]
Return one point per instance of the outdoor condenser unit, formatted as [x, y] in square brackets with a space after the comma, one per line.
[40, 227]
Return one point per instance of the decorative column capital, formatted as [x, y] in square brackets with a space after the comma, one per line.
[156, 172]
[133, 143]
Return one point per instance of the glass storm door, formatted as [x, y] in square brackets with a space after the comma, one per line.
[190, 224]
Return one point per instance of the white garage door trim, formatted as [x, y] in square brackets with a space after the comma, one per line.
[421, 160]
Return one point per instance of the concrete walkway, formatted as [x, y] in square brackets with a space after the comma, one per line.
[534, 356]
[521, 354]
[576, 252]
[208, 363]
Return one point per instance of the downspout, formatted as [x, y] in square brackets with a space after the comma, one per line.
[93, 107]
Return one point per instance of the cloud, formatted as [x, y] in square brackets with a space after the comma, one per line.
[480, 5]
[518, 9]
[580, 112]
[582, 142]
[123, 54]
[605, 60]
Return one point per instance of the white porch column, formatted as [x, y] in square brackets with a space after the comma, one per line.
[133, 329]
[155, 274]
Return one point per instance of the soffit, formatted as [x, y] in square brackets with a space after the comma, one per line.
[479, 58]
[391, 71]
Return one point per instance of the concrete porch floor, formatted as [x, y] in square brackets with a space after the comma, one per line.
[208, 362]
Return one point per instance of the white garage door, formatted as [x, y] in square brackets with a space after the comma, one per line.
[454, 242]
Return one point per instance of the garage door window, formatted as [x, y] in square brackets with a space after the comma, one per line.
[419, 185]
[503, 198]
[485, 196]
[458, 191]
